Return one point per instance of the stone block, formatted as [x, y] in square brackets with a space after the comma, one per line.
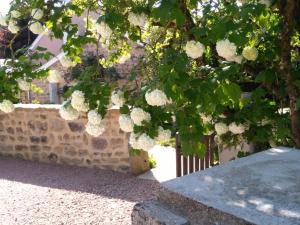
[57, 125]
[3, 138]
[99, 144]
[154, 213]
[35, 140]
[6, 148]
[76, 127]
[35, 148]
[21, 148]
[10, 130]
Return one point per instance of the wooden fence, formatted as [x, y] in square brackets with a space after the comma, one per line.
[190, 164]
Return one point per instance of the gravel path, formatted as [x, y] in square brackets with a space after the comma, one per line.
[33, 193]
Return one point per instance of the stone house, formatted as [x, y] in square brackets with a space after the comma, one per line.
[50, 91]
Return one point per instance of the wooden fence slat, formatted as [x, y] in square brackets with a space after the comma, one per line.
[178, 157]
[211, 152]
[202, 164]
[197, 164]
[207, 152]
[185, 165]
[191, 164]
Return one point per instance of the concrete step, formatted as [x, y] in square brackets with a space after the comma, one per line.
[155, 213]
[195, 212]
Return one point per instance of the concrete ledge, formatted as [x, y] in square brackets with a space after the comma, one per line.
[260, 189]
[154, 213]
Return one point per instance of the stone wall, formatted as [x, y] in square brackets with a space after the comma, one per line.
[37, 132]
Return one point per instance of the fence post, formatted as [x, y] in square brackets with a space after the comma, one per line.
[178, 156]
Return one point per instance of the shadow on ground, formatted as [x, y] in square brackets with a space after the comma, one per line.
[100, 182]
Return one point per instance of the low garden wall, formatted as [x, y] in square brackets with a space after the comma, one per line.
[37, 132]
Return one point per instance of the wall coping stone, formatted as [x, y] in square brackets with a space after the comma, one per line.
[48, 106]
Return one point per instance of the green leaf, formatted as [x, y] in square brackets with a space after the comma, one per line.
[267, 76]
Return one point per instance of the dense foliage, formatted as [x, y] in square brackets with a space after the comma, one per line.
[213, 66]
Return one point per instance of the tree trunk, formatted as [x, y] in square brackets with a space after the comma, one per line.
[287, 9]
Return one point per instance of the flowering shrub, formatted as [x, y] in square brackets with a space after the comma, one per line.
[209, 67]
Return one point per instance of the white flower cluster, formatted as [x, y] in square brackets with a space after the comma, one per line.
[156, 98]
[227, 50]
[94, 117]
[137, 19]
[138, 115]
[103, 29]
[145, 142]
[13, 27]
[7, 106]
[78, 101]
[3, 20]
[23, 84]
[206, 118]
[15, 14]
[250, 53]
[67, 112]
[221, 128]
[133, 141]
[67, 62]
[95, 126]
[163, 135]
[194, 49]
[37, 14]
[54, 76]
[36, 28]
[126, 123]
[117, 98]
[95, 129]
[237, 128]
[267, 3]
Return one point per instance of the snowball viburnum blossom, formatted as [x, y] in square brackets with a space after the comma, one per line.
[15, 14]
[13, 27]
[7, 106]
[54, 76]
[226, 49]
[67, 112]
[194, 49]
[103, 29]
[67, 62]
[250, 53]
[237, 58]
[117, 98]
[138, 115]
[265, 2]
[3, 21]
[126, 123]
[78, 101]
[94, 117]
[133, 141]
[163, 135]
[236, 129]
[156, 98]
[37, 14]
[95, 130]
[23, 84]
[206, 118]
[145, 142]
[137, 19]
[221, 128]
[36, 28]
